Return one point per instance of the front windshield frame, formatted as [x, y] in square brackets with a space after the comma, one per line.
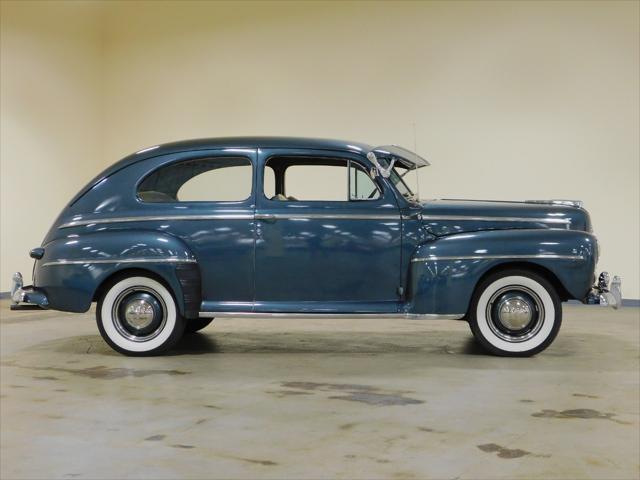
[396, 179]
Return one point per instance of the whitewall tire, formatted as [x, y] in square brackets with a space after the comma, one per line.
[138, 315]
[515, 313]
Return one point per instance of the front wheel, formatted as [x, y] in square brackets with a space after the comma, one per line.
[138, 316]
[515, 313]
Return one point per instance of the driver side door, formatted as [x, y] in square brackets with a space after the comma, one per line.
[328, 236]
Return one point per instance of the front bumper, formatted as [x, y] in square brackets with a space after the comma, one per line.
[26, 298]
[604, 293]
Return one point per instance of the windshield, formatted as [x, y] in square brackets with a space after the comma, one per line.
[396, 178]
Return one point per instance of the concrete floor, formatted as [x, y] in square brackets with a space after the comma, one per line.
[256, 398]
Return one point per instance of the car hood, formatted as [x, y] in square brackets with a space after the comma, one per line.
[446, 217]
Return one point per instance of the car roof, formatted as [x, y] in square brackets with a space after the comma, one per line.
[242, 142]
[225, 142]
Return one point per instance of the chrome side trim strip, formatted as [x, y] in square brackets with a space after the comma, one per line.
[153, 218]
[492, 257]
[296, 216]
[224, 216]
[329, 216]
[63, 261]
[410, 316]
[497, 219]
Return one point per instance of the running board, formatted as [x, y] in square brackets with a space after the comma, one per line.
[409, 316]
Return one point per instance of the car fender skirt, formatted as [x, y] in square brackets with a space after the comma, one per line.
[188, 275]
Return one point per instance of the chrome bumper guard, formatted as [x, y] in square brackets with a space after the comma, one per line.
[26, 298]
[605, 293]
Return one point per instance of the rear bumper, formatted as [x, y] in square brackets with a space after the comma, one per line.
[605, 293]
[29, 297]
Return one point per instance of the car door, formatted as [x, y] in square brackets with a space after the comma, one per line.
[325, 241]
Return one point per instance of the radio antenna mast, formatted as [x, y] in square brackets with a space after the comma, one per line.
[415, 150]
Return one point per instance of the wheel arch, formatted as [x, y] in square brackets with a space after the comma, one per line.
[182, 281]
[532, 267]
[116, 276]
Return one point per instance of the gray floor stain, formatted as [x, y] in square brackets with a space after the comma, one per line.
[377, 460]
[155, 438]
[215, 407]
[110, 373]
[372, 398]
[503, 452]
[266, 463]
[180, 445]
[45, 378]
[287, 393]
[356, 393]
[583, 413]
[347, 426]
[328, 386]
[430, 430]
[525, 400]
[584, 395]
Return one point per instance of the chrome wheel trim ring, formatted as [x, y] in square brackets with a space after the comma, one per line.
[124, 327]
[525, 303]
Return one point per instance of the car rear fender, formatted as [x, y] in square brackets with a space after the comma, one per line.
[74, 268]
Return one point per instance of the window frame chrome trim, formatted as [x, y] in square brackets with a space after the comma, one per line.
[497, 257]
[64, 261]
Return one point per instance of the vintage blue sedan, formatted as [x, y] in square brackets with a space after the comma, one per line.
[174, 235]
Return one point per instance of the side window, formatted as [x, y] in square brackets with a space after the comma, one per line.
[214, 179]
[291, 179]
[269, 182]
[316, 182]
[361, 185]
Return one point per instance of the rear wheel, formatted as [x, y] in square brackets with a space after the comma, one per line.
[138, 316]
[196, 324]
[515, 313]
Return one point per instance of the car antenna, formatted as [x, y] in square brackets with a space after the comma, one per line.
[415, 150]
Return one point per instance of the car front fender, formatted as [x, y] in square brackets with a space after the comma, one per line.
[445, 271]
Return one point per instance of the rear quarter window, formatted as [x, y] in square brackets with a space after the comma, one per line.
[215, 179]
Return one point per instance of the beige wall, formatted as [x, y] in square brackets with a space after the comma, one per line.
[510, 100]
[50, 119]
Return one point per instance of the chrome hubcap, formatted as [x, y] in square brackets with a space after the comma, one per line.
[139, 313]
[514, 313]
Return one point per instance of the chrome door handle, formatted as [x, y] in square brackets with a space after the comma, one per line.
[267, 217]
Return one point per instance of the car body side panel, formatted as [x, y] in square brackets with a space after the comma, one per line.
[444, 272]
[73, 267]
